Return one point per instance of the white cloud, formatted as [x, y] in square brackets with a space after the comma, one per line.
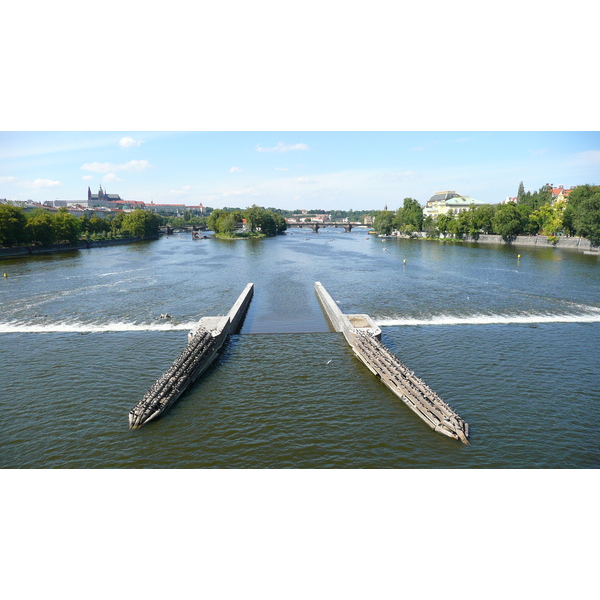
[86, 177]
[42, 184]
[587, 158]
[246, 191]
[400, 175]
[134, 166]
[281, 147]
[128, 142]
[111, 177]
[417, 149]
[236, 170]
[7, 179]
[183, 190]
[538, 152]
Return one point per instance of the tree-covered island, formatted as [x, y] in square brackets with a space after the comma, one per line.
[254, 222]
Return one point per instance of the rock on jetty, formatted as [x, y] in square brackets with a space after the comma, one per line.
[364, 337]
[412, 390]
[204, 343]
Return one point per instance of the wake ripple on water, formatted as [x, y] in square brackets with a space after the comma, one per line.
[481, 319]
[64, 327]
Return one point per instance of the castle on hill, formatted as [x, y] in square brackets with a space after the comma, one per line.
[101, 198]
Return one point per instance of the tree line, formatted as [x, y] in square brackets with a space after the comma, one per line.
[41, 227]
[533, 213]
[260, 221]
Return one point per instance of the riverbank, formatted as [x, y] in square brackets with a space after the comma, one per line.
[19, 251]
[539, 241]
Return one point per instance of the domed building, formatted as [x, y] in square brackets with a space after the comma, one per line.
[449, 202]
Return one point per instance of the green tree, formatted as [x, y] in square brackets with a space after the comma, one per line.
[587, 222]
[582, 214]
[409, 218]
[384, 222]
[521, 192]
[66, 227]
[461, 225]
[429, 227]
[253, 217]
[537, 199]
[225, 223]
[140, 223]
[12, 225]
[444, 222]
[280, 223]
[213, 218]
[509, 221]
[267, 223]
[115, 223]
[482, 219]
[98, 225]
[548, 218]
[40, 228]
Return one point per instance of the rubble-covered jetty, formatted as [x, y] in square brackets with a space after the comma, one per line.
[204, 342]
[364, 337]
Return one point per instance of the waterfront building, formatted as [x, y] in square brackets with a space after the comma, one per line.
[559, 193]
[449, 202]
[170, 209]
[125, 204]
[26, 205]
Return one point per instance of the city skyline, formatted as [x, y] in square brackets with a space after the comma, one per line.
[334, 170]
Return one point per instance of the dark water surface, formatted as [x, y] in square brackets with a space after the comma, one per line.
[512, 345]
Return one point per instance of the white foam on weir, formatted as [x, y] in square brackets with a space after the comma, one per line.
[490, 320]
[62, 327]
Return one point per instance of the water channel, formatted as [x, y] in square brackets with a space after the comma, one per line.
[512, 345]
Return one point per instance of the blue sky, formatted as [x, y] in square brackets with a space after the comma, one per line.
[330, 170]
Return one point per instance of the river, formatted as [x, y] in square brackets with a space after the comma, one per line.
[511, 344]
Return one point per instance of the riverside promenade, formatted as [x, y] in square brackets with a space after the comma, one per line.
[204, 342]
[364, 337]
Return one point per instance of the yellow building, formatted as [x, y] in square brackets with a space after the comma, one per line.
[449, 202]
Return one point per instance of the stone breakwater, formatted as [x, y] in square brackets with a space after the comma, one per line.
[204, 342]
[412, 390]
[187, 367]
[363, 336]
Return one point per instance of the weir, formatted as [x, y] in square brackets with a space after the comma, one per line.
[204, 342]
[364, 337]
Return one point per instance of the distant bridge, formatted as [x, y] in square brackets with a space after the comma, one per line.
[315, 226]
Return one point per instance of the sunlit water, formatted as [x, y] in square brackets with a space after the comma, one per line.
[512, 345]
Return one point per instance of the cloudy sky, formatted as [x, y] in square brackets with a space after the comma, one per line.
[330, 170]
[353, 109]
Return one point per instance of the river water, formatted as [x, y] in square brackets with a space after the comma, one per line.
[511, 344]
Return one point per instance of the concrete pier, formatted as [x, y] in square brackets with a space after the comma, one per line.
[204, 342]
[364, 338]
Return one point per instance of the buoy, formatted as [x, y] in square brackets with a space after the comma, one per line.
[518, 256]
[5, 275]
[404, 261]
